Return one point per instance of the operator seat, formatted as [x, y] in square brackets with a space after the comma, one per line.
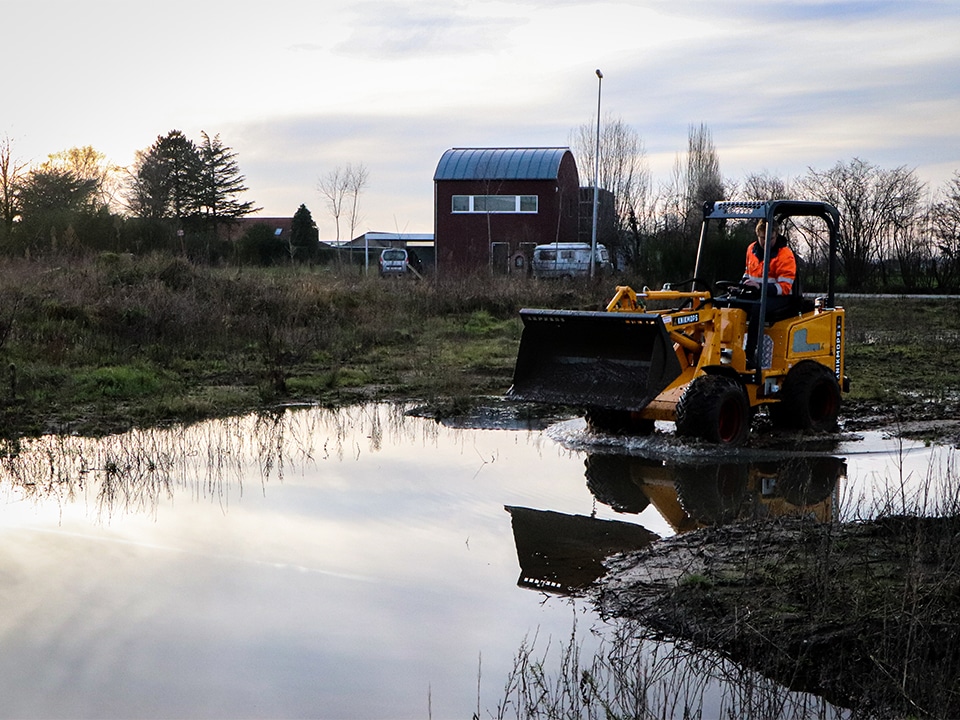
[798, 304]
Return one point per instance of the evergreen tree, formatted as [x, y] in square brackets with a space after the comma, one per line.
[218, 184]
[304, 236]
[164, 179]
[181, 160]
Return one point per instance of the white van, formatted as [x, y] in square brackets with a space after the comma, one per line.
[393, 261]
[568, 260]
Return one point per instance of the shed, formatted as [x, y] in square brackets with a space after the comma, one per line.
[367, 247]
[492, 205]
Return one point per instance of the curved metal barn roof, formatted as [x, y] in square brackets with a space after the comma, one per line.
[500, 164]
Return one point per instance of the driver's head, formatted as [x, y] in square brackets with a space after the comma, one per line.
[762, 231]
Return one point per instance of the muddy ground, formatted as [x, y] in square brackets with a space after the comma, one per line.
[864, 614]
[923, 419]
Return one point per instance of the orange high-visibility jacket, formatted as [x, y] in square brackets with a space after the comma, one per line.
[783, 266]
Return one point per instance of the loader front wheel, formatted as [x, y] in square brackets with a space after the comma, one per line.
[714, 408]
[809, 399]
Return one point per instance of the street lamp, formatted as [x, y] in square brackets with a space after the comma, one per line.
[596, 182]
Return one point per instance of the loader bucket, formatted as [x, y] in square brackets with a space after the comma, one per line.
[610, 360]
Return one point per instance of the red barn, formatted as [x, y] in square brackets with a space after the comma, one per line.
[493, 205]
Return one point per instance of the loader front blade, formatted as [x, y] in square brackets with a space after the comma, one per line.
[609, 360]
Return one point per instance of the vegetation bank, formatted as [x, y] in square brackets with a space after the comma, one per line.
[106, 343]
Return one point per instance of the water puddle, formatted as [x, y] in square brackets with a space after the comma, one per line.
[357, 563]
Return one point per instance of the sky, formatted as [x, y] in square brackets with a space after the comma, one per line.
[300, 88]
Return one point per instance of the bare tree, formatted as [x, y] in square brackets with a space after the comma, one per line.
[695, 180]
[764, 186]
[879, 210]
[356, 179]
[677, 209]
[341, 189]
[903, 244]
[12, 173]
[333, 187]
[624, 169]
[704, 183]
[343, 186]
[945, 230]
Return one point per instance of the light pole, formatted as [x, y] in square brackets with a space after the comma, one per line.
[596, 182]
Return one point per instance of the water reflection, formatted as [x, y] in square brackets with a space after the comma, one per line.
[210, 461]
[565, 553]
[637, 671]
[801, 619]
[633, 674]
[355, 562]
[695, 495]
[342, 563]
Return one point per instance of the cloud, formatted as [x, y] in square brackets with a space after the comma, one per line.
[390, 30]
[296, 88]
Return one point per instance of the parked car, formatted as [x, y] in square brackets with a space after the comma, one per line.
[558, 260]
[394, 261]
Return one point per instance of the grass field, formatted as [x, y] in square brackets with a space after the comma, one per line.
[98, 345]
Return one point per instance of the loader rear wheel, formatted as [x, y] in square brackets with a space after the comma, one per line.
[809, 399]
[714, 408]
[618, 422]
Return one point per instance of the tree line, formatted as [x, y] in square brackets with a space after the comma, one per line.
[896, 233]
[178, 196]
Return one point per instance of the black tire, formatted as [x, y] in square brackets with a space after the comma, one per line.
[714, 408]
[618, 422]
[713, 494]
[610, 480]
[809, 399]
[805, 482]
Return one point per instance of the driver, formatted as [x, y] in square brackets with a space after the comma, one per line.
[780, 280]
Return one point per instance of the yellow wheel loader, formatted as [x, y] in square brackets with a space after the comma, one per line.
[630, 365]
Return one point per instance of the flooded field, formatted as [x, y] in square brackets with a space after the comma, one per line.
[369, 563]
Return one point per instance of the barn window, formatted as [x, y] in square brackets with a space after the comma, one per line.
[495, 203]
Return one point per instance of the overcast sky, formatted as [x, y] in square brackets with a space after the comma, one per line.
[299, 87]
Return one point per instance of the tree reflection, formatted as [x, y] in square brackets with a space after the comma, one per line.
[210, 461]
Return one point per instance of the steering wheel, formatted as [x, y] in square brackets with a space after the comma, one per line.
[723, 286]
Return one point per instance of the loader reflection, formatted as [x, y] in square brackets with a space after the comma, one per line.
[564, 554]
[691, 496]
